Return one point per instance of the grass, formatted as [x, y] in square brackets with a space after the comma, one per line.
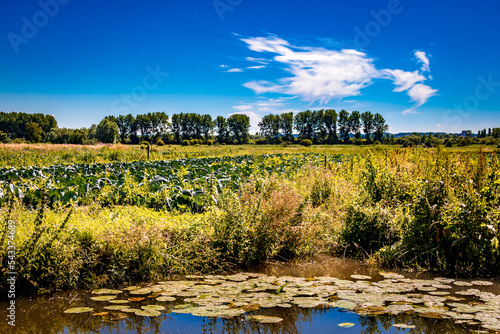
[414, 208]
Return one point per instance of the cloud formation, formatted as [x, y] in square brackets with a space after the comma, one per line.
[319, 74]
[422, 58]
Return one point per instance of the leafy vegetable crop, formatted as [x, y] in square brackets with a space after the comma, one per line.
[185, 184]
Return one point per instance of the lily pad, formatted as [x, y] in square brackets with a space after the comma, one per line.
[147, 313]
[403, 326]
[361, 277]
[119, 301]
[166, 299]
[264, 319]
[346, 324]
[78, 310]
[153, 307]
[106, 292]
[103, 298]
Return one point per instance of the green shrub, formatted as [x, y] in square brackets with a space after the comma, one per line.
[186, 143]
[306, 142]
[160, 143]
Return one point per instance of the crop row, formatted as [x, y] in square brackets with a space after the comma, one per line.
[175, 184]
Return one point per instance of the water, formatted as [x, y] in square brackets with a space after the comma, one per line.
[45, 314]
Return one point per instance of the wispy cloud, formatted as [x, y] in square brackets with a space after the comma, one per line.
[234, 70]
[422, 58]
[319, 74]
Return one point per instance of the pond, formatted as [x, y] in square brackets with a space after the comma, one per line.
[323, 295]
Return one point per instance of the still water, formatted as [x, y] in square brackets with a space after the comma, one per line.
[45, 314]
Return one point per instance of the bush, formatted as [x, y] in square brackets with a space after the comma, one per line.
[306, 142]
[368, 229]
[186, 143]
[160, 143]
[3, 137]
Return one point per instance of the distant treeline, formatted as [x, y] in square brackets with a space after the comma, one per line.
[306, 128]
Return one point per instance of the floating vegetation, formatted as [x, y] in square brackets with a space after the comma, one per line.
[79, 310]
[242, 294]
[346, 324]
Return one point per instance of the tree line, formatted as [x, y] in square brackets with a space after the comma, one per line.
[323, 126]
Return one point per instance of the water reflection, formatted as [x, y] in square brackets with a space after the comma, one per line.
[44, 314]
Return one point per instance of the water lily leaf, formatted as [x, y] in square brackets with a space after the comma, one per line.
[264, 319]
[147, 313]
[103, 298]
[106, 292]
[130, 310]
[403, 326]
[101, 313]
[153, 307]
[482, 283]
[77, 310]
[136, 299]
[361, 277]
[166, 299]
[346, 324]
[119, 301]
[143, 291]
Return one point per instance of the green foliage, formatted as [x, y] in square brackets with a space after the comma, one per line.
[3, 137]
[160, 143]
[34, 132]
[107, 131]
[306, 142]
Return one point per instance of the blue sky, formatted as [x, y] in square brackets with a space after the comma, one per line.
[424, 65]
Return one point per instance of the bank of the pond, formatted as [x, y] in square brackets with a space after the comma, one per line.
[410, 209]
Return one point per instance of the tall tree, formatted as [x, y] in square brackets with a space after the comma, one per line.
[304, 124]
[176, 127]
[380, 126]
[269, 127]
[239, 127]
[286, 125]
[107, 131]
[344, 123]
[123, 127]
[368, 127]
[34, 132]
[330, 122]
[206, 126]
[222, 129]
[355, 123]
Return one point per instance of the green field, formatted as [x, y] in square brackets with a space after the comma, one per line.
[103, 215]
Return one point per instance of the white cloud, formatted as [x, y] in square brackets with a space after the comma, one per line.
[243, 107]
[224, 66]
[420, 93]
[411, 110]
[255, 67]
[319, 74]
[404, 80]
[422, 58]
[234, 70]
